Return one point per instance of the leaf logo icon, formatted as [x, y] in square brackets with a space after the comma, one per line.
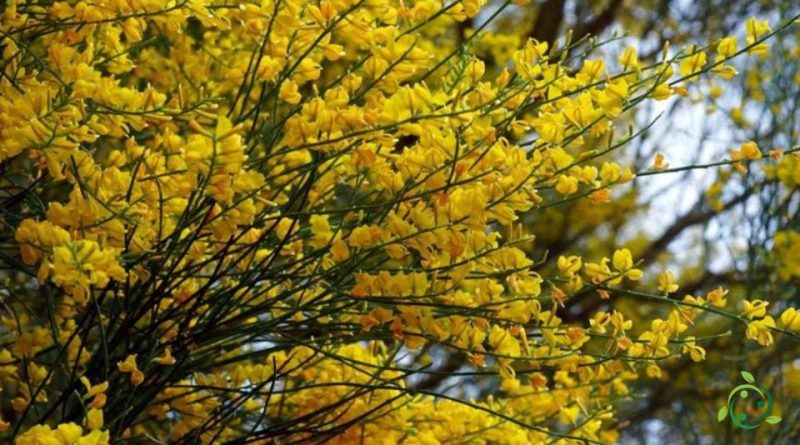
[752, 394]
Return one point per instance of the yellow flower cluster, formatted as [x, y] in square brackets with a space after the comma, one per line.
[65, 434]
[247, 219]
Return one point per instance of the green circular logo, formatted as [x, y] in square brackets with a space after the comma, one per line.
[753, 396]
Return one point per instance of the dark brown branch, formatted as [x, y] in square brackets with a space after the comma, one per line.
[600, 22]
[548, 21]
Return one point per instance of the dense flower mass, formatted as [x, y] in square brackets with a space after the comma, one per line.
[263, 221]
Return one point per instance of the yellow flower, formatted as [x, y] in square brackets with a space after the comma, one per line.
[610, 172]
[666, 282]
[613, 96]
[64, 434]
[339, 251]
[503, 342]
[598, 272]
[569, 414]
[475, 70]
[289, 92]
[510, 385]
[94, 419]
[95, 392]
[760, 330]
[692, 64]
[591, 71]
[599, 321]
[364, 236]
[307, 70]
[570, 265]
[628, 59]
[567, 185]
[726, 72]
[658, 163]
[129, 366]
[717, 297]
[78, 266]
[697, 353]
[166, 359]
[790, 319]
[776, 154]
[622, 260]
[755, 30]
[750, 150]
[754, 309]
[619, 323]
[132, 28]
[286, 227]
[654, 371]
[727, 47]
[320, 230]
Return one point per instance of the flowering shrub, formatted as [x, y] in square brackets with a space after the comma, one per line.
[262, 221]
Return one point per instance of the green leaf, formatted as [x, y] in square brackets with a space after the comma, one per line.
[722, 413]
[772, 420]
[748, 377]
